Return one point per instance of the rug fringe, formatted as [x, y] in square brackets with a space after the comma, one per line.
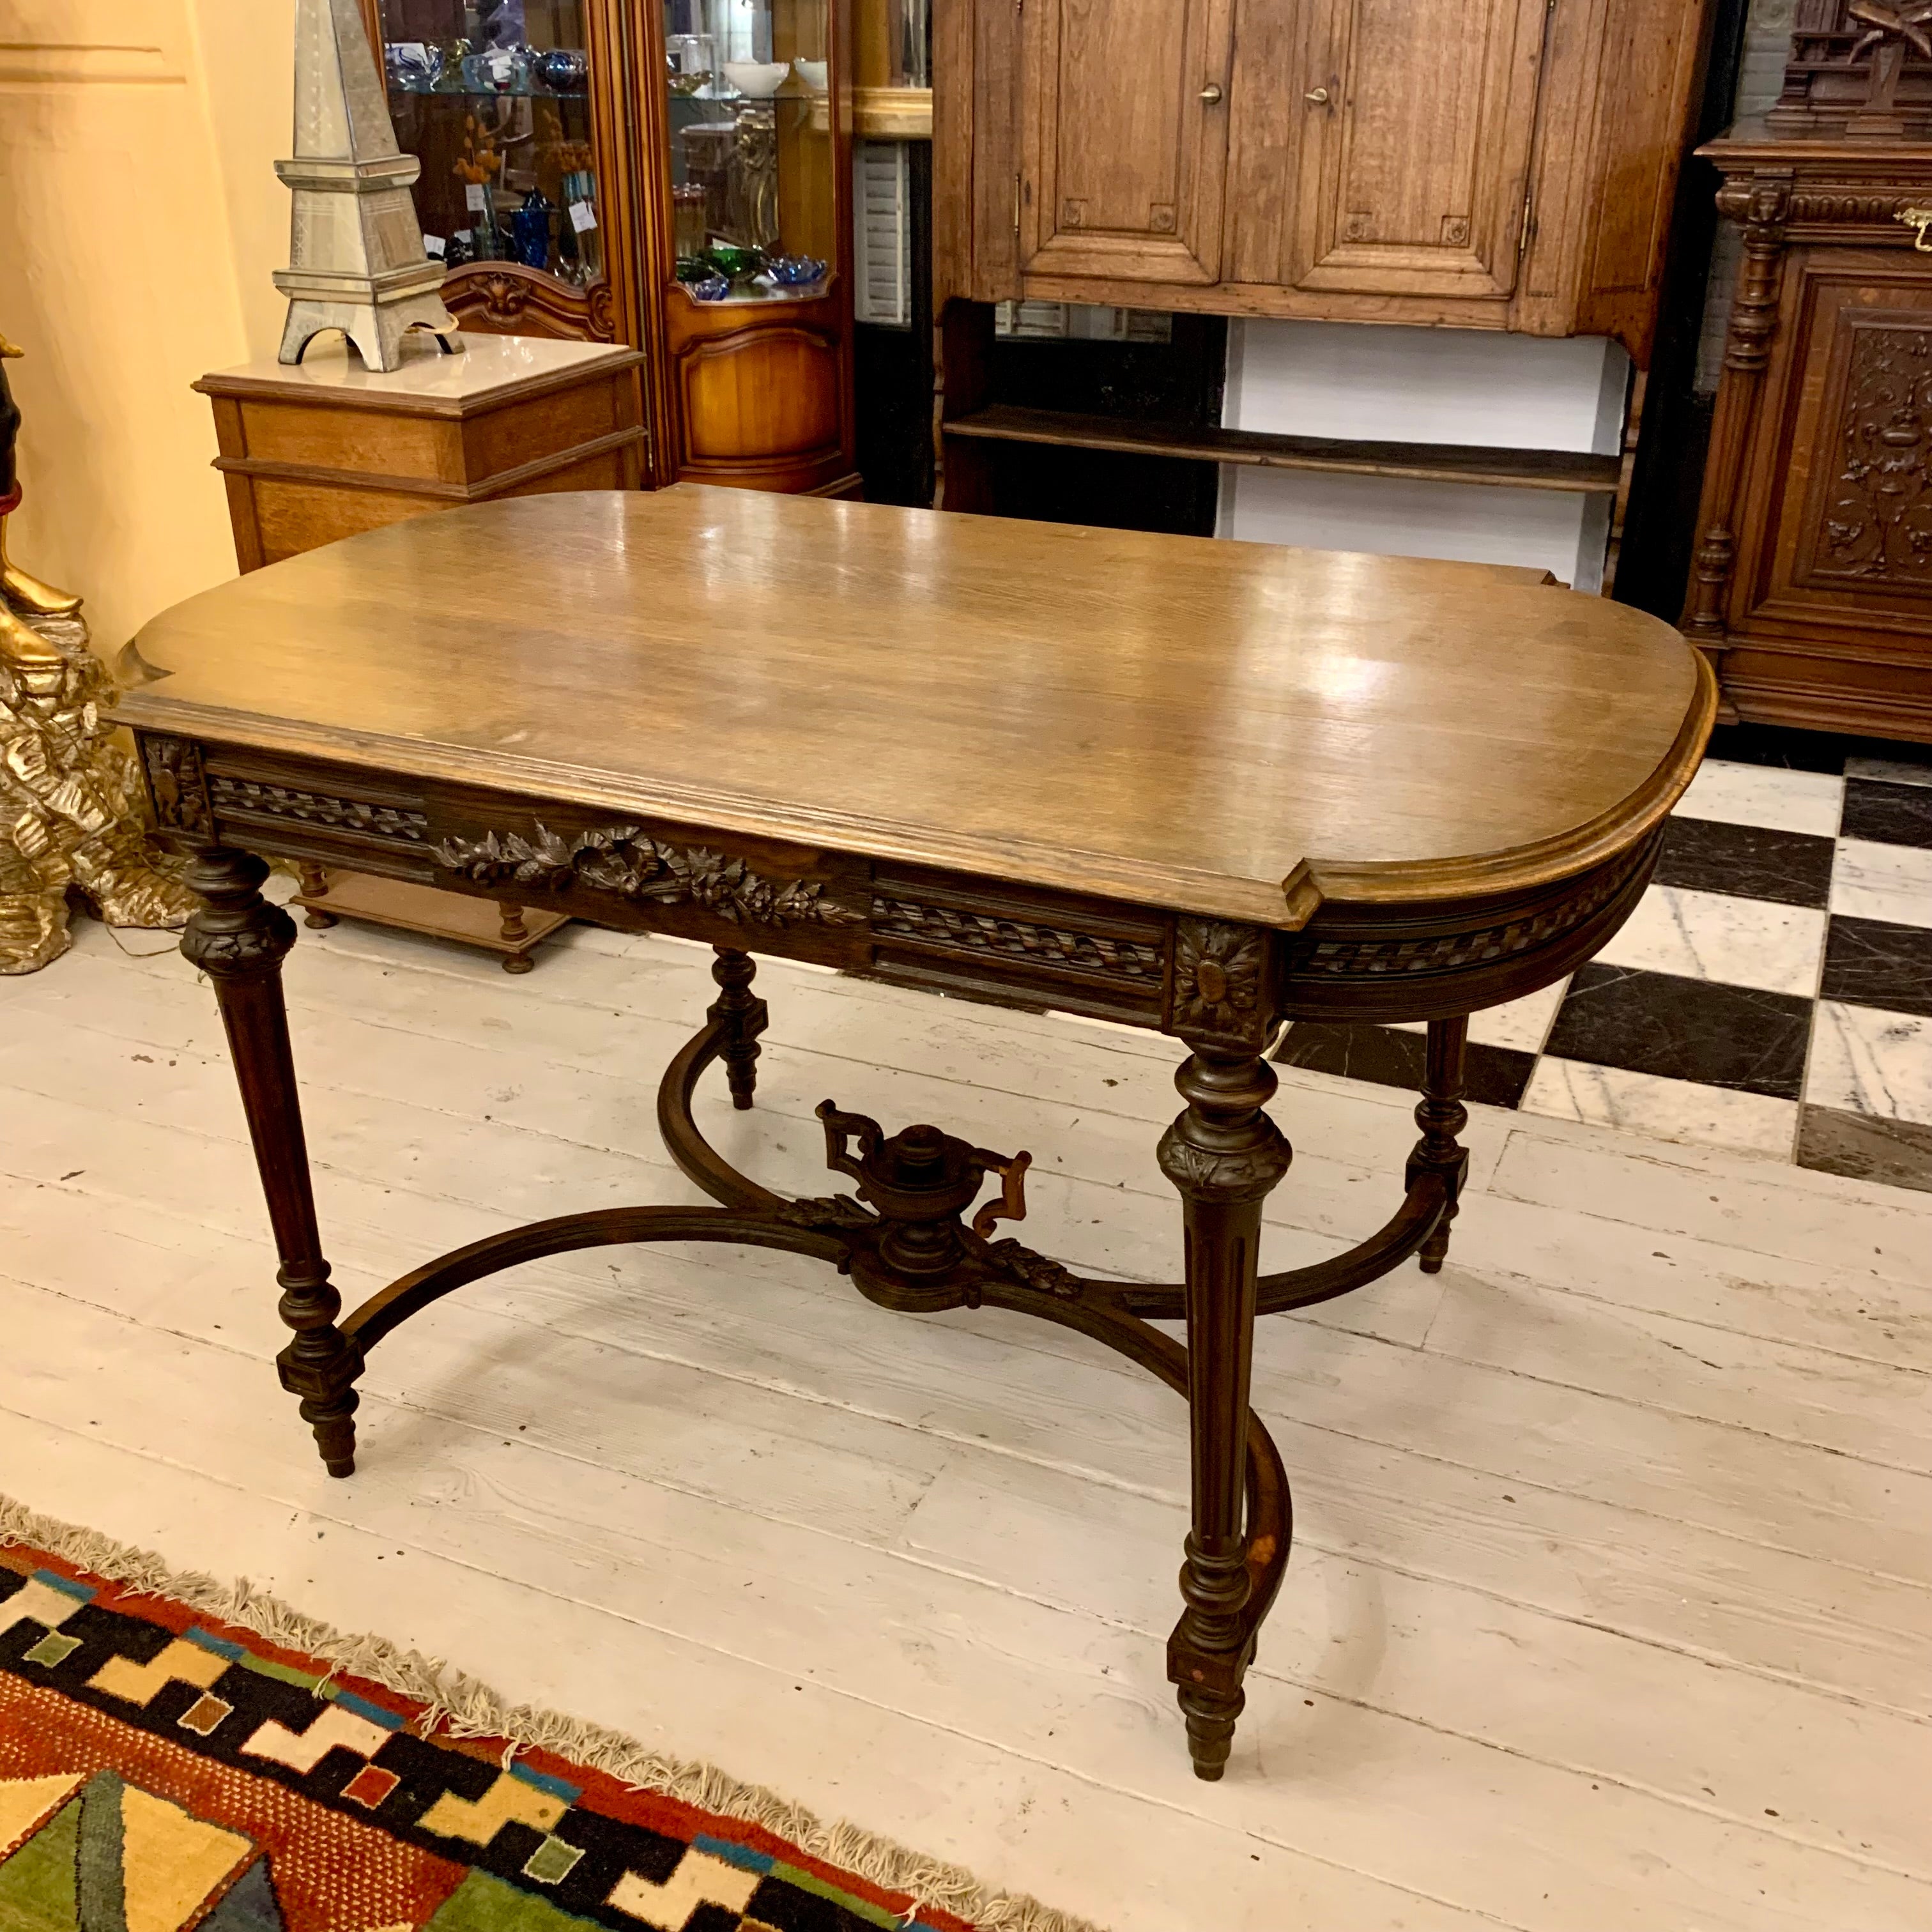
[462, 1707]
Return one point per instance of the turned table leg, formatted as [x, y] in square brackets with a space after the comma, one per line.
[1224, 1155]
[513, 932]
[315, 886]
[239, 940]
[746, 1016]
[1441, 1116]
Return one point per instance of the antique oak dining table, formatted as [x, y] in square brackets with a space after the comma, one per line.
[1200, 787]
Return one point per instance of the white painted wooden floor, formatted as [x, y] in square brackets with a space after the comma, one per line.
[1611, 1604]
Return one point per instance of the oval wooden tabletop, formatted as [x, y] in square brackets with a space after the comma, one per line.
[1207, 726]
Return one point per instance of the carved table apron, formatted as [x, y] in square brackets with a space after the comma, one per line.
[227, 789]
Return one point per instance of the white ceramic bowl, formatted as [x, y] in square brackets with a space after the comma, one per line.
[759, 79]
[817, 75]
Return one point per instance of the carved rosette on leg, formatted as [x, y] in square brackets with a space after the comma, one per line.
[239, 940]
[745, 1016]
[1441, 1116]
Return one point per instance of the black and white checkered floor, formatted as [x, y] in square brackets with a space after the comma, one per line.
[1773, 991]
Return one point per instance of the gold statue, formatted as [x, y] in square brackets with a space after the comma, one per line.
[69, 812]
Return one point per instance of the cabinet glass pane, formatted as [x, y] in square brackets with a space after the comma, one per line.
[755, 209]
[493, 97]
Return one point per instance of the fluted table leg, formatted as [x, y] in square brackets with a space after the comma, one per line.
[239, 940]
[1224, 1155]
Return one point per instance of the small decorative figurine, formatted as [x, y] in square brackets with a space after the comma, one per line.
[359, 267]
[68, 788]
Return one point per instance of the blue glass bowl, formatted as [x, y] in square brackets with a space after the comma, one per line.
[795, 271]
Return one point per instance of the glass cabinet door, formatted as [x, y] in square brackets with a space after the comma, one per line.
[493, 97]
[753, 200]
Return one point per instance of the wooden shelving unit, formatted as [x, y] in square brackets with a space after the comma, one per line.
[1579, 474]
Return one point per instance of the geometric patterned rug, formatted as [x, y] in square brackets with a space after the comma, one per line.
[162, 1769]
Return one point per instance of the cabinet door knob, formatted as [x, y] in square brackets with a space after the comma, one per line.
[1316, 97]
[1211, 93]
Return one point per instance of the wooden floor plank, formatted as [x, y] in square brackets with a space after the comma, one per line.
[1352, 1413]
[1140, 1866]
[989, 1664]
[1615, 1539]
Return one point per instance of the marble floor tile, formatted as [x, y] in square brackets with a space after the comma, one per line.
[1897, 1153]
[1395, 1056]
[1866, 1060]
[1903, 764]
[1900, 769]
[1891, 883]
[1712, 936]
[1766, 795]
[1684, 1029]
[1677, 1110]
[1893, 814]
[1868, 963]
[1746, 862]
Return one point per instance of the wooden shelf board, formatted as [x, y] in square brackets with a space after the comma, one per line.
[1579, 473]
[423, 909]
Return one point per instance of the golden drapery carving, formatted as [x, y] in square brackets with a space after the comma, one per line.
[70, 813]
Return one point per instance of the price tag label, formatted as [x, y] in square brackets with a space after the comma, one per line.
[415, 52]
[434, 245]
[582, 217]
[502, 68]
[479, 202]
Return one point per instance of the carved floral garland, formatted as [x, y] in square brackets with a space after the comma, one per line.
[627, 861]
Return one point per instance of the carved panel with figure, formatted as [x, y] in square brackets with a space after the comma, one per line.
[1877, 525]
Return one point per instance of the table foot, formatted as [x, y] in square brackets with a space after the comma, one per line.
[742, 1017]
[1211, 1719]
[1441, 1116]
[240, 940]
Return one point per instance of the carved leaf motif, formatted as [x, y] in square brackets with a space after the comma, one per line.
[1035, 1270]
[626, 861]
[838, 1210]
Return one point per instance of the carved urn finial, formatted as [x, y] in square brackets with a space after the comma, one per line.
[356, 257]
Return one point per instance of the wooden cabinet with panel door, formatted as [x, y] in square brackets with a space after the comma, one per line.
[1813, 590]
[664, 173]
[1486, 163]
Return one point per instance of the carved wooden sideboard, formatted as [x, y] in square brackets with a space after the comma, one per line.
[1813, 588]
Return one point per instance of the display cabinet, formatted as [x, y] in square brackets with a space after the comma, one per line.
[672, 174]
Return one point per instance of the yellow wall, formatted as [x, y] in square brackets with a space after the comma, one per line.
[140, 219]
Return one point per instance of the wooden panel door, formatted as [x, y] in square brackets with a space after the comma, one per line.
[1420, 123]
[1124, 146]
